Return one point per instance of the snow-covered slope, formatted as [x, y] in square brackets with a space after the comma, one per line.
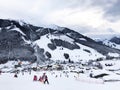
[85, 53]
[73, 76]
[25, 82]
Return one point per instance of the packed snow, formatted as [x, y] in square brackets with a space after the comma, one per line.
[56, 82]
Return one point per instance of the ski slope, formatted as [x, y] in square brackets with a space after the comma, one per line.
[75, 55]
[25, 82]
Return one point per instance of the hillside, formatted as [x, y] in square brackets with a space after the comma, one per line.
[27, 42]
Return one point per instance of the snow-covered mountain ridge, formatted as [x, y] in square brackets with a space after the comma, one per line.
[23, 41]
[113, 42]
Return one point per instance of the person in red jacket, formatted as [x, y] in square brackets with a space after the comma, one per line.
[41, 79]
[35, 78]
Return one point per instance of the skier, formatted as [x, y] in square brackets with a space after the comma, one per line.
[22, 72]
[29, 70]
[35, 78]
[43, 76]
[41, 79]
[91, 74]
[15, 76]
[46, 80]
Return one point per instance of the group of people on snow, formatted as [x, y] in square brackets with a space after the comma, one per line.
[43, 78]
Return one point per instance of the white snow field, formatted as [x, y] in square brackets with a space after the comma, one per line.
[25, 82]
[75, 55]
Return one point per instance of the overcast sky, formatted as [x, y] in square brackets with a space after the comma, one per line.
[85, 16]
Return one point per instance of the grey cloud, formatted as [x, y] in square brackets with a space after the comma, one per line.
[102, 3]
[36, 11]
[111, 8]
[62, 4]
[113, 12]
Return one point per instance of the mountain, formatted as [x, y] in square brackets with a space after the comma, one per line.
[113, 42]
[19, 40]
